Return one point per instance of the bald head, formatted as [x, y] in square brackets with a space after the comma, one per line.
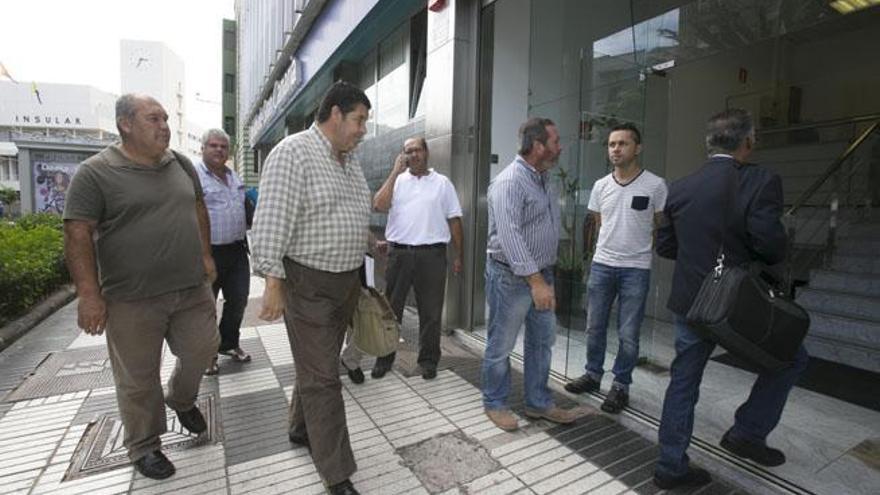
[143, 125]
[127, 104]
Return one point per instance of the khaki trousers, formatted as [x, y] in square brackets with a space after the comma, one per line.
[318, 308]
[135, 332]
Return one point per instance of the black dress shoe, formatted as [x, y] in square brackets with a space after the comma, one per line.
[616, 400]
[155, 465]
[355, 375]
[379, 369]
[429, 373]
[761, 454]
[302, 441]
[694, 477]
[582, 385]
[344, 488]
[192, 420]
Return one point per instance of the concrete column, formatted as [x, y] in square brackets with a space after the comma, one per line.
[450, 87]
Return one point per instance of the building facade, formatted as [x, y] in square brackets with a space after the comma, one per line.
[46, 130]
[151, 68]
[466, 73]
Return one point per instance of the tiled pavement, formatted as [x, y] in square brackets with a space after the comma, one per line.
[43, 446]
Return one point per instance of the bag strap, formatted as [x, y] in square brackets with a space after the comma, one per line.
[730, 202]
[191, 172]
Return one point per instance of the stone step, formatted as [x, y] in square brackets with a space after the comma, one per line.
[856, 263]
[846, 330]
[856, 246]
[840, 303]
[857, 356]
[853, 283]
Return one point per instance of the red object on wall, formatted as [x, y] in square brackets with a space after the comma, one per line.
[743, 75]
[436, 5]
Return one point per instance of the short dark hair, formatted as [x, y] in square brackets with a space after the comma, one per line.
[725, 131]
[626, 126]
[532, 130]
[344, 95]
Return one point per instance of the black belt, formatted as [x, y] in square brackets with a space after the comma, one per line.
[418, 246]
[242, 242]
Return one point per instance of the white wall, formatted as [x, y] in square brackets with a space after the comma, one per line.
[61, 106]
[510, 78]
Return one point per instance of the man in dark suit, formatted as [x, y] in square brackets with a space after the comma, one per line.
[701, 213]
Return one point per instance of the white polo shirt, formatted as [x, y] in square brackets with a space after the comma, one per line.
[420, 208]
[626, 233]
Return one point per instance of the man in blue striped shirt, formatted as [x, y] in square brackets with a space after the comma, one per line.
[523, 237]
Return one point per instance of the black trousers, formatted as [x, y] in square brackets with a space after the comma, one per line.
[233, 278]
[423, 269]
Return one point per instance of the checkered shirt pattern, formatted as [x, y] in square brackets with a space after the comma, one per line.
[311, 209]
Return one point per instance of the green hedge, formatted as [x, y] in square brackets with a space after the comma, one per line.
[31, 262]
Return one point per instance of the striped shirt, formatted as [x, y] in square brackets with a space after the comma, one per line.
[225, 204]
[523, 219]
[312, 209]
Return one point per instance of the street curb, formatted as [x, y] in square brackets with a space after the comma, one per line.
[12, 331]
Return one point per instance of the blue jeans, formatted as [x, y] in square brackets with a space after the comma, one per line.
[630, 287]
[510, 305]
[754, 419]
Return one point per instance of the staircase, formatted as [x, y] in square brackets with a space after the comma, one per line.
[844, 300]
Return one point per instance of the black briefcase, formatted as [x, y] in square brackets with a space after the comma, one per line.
[741, 310]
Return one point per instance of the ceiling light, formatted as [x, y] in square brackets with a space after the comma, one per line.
[849, 6]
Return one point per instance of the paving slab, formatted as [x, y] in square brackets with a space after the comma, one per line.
[60, 430]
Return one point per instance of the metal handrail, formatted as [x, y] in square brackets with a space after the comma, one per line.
[832, 169]
[823, 123]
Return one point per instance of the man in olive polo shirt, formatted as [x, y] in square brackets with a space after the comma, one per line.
[145, 276]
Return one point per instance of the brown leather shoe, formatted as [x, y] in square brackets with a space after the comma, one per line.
[503, 419]
[555, 414]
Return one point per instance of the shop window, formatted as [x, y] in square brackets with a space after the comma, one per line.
[229, 40]
[9, 168]
[392, 105]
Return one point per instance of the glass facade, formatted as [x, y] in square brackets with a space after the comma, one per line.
[799, 67]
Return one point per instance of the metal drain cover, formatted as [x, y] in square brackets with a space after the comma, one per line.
[64, 372]
[448, 460]
[100, 448]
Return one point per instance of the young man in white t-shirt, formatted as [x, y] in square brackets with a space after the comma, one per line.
[625, 206]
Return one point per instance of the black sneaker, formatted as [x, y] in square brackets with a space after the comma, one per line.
[582, 385]
[356, 375]
[379, 369]
[154, 466]
[343, 488]
[761, 454]
[693, 478]
[302, 441]
[429, 373]
[192, 420]
[615, 401]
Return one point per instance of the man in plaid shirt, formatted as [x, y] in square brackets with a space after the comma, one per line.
[310, 234]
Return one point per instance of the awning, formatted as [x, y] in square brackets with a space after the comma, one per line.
[8, 148]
